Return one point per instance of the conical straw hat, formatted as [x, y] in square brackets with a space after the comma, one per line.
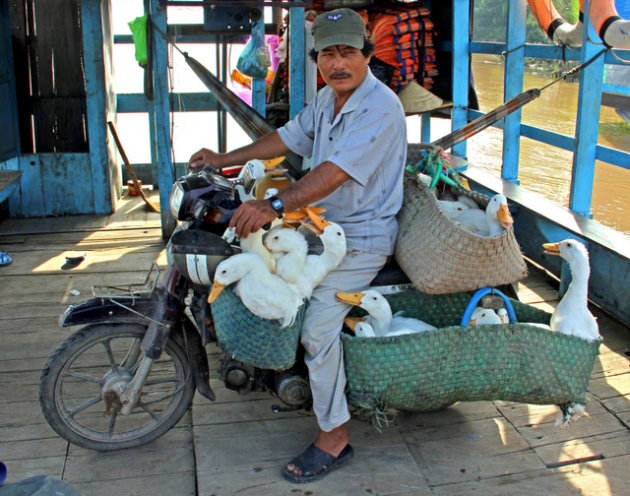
[416, 99]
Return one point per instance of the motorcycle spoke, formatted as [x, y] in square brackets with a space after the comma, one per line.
[112, 422]
[148, 410]
[84, 377]
[85, 405]
[153, 382]
[110, 355]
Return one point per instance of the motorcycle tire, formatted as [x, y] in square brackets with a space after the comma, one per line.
[75, 388]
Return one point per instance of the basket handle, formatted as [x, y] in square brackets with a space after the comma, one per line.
[472, 304]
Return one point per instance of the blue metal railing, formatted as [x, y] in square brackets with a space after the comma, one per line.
[583, 144]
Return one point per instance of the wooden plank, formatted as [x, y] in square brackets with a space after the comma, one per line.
[609, 387]
[155, 458]
[572, 451]
[99, 261]
[548, 433]
[461, 412]
[181, 484]
[30, 467]
[468, 451]
[246, 458]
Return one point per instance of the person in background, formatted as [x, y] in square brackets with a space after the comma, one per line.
[354, 130]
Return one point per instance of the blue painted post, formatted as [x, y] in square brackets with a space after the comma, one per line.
[425, 127]
[587, 125]
[258, 84]
[161, 109]
[513, 86]
[461, 62]
[98, 186]
[296, 61]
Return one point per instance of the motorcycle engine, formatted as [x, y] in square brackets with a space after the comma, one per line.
[293, 389]
[237, 375]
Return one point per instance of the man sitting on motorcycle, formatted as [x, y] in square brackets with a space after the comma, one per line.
[354, 130]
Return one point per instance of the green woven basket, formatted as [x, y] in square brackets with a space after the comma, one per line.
[430, 370]
[251, 339]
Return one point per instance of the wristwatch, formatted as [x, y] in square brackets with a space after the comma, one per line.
[277, 204]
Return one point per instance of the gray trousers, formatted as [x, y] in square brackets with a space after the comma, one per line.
[320, 335]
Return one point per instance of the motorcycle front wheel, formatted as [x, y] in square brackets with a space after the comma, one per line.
[77, 385]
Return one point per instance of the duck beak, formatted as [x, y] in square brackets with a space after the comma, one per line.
[472, 322]
[505, 217]
[273, 162]
[352, 322]
[215, 291]
[311, 227]
[314, 215]
[552, 248]
[350, 298]
[275, 172]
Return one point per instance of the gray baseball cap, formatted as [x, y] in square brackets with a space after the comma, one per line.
[338, 27]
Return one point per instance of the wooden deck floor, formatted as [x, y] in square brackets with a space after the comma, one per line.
[237, 445]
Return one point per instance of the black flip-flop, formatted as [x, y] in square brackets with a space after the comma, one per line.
[315, 464]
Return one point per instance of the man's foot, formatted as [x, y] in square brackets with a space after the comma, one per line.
[314, 464]
[331, 447]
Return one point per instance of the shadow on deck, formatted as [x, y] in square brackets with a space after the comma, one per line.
[237, 445]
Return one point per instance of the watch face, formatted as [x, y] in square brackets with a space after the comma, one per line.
[277, 204]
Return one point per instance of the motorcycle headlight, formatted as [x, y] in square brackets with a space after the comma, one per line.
[175, 201]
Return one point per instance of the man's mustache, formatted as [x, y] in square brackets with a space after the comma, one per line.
[340, 74]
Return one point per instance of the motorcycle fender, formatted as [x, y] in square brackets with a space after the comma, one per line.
[104, 310]
[189, 339]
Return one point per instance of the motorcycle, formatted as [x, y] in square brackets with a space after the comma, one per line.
[130, 374]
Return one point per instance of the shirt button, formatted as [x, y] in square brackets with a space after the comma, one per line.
[330, 138]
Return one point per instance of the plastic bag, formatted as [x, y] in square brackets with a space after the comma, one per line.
[255, 57]
[139, 35]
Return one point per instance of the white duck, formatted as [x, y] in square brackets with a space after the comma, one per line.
[334, 241]
[258, 170]
[484, 316]
[572, 316]
[263, 293]
[360, 327]
[503, 315]
[452, 209]
[492, 222]
[381, 318]
[289, 249]
[254, 242]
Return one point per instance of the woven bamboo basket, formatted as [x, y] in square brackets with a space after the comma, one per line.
[430, 370]
[252, 339]
[440, 257]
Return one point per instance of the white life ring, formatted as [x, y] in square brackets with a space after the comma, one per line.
[612, 29]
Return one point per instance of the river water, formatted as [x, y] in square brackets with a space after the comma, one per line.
[546, 169]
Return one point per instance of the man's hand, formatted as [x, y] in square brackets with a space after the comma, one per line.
[251, 216]
[204, 157]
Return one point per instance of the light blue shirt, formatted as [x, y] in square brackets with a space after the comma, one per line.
[368, 141]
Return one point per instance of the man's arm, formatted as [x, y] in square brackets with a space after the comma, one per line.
[317, 184]
[269, 146]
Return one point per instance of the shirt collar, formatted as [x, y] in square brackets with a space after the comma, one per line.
[359, 94]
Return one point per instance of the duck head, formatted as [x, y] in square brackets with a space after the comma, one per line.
[234, 269]
[280, 241]
[571, 250]
[373, 303]
[497, 210]
[482, 316]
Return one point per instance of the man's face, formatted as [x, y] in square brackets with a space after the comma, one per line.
[342, 67]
